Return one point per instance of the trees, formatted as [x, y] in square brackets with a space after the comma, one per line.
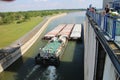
[18, 17]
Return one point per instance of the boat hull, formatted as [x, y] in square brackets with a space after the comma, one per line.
[48, 61]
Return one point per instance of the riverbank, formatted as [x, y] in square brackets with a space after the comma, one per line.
[13, 31]
[8, 60]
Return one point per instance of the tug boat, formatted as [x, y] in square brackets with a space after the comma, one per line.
[51, 53]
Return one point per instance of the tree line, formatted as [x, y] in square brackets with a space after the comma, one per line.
[18, 17]
[22, 16]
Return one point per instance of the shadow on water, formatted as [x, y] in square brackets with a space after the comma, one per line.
[72, 68]
[17, 63]
[72, 62]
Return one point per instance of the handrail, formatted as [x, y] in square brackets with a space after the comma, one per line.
[110, 25]
[105, 45]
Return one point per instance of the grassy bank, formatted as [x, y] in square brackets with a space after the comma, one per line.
[11, 32]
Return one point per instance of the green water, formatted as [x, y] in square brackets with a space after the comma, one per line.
[71, 66]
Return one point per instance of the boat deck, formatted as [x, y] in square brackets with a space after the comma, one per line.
[76, 32]
[52, 46]
[67, 30]
[55, 31]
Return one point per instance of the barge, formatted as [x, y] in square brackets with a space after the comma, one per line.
[55, 31]
[67, 30]
[61, 29]
[76, 32]
[51, 53]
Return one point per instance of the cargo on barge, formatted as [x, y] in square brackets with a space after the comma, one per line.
[54, 32]
[67, 30]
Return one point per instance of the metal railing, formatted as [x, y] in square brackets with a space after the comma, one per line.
[110, 25]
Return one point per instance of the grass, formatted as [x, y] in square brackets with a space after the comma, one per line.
[11, 32]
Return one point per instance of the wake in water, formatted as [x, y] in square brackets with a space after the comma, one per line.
[33, 70]
[49, 74]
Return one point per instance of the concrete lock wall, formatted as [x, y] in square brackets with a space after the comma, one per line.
[89, 51]
[109, 70]
[8, 60]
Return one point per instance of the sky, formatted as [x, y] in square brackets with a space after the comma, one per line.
[27, 5]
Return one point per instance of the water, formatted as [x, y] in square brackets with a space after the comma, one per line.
[71, 66]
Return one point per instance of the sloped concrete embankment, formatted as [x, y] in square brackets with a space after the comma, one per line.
[9, 59]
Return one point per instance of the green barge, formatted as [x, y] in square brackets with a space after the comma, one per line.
[51, 53]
